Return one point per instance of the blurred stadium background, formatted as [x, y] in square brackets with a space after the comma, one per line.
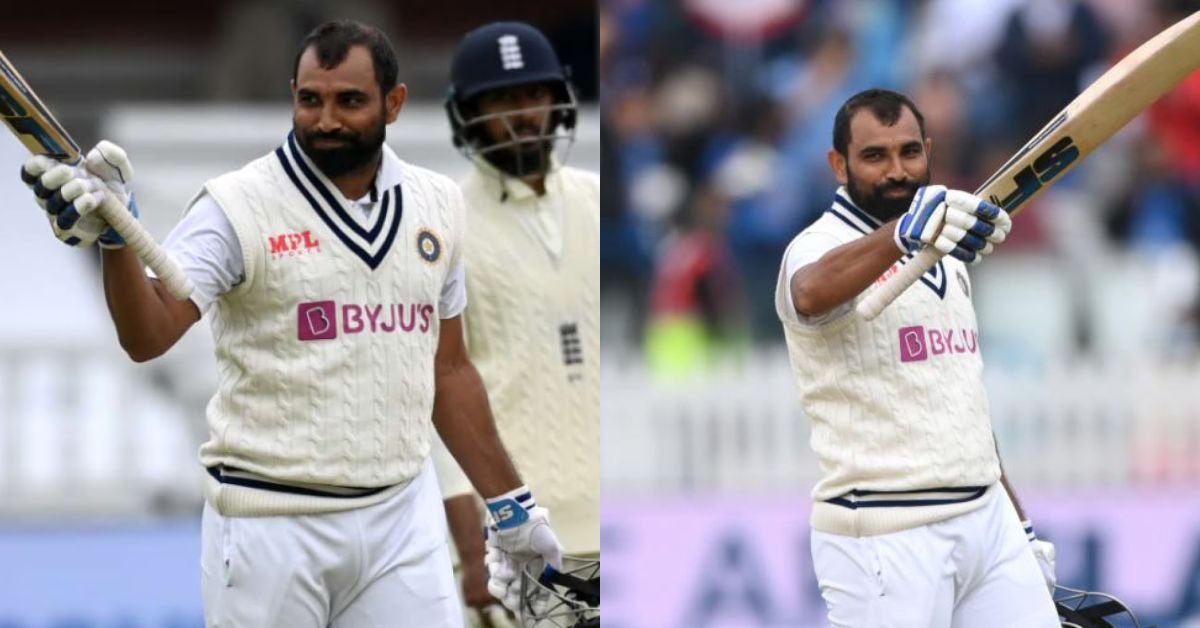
[100, 490]
[716, 120]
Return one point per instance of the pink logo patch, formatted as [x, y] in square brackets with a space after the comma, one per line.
[317, 320]
[912, 344]
[918, 343]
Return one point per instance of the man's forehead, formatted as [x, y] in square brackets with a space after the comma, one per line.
[356, 71]
[866, 129]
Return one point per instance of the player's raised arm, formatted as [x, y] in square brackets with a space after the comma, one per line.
[842, 274]
[147, 318]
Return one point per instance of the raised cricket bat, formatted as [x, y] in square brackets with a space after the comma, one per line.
[1123, 92]
[37, 129]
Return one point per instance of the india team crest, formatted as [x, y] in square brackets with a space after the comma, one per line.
[429, 246]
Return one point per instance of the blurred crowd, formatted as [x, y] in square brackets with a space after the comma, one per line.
[718, 117]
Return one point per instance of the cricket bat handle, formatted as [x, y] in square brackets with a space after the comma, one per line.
[143, 244]
[881, 294]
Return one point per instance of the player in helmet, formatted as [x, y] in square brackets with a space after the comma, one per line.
[533, 322]
[510, 101]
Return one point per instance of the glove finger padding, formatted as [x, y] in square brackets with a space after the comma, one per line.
[969, 222]
[1000, 221]
[110, 162]
[85, 232]
[31, 175]
[69, 194]
[53, 179]
[82, 197]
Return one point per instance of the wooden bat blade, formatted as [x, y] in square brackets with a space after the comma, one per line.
[32, 123]
[1106, 106]
[29, 119]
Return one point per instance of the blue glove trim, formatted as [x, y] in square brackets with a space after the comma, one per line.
[56, 203]
[512, 508]
[28, 178]
[925, 211]
[67, 217]
[508, 513]
[40, 190]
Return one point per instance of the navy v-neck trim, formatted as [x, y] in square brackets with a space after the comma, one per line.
[392, 196]
[330, 198]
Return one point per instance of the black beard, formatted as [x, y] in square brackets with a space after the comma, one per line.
[875, 201]
[358, 151]
[522, 159]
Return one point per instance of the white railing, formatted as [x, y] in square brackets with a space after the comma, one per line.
[1077, 425]
[84, 433]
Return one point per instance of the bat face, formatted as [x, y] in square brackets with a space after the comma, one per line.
[1114, 99]
[1049, 162]
[29, 119]
[1095, 115]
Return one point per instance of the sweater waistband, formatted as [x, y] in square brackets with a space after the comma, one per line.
[239, 477]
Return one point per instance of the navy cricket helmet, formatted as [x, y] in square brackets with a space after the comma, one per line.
[497, 56]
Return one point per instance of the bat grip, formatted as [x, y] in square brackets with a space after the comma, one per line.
[881, 295]
[143, 244]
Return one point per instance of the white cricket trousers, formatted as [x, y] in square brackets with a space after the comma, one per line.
[383, 566]
[972, 571]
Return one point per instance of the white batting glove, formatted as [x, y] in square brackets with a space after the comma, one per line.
[70, 194]
[1043, 551]
[520, 538]
[954, 222]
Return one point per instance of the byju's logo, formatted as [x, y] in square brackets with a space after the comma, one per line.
[318, 320]
[918, 343]
[293, 244]
[912, 344]
[323, 320]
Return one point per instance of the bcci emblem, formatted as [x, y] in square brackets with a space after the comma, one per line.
[428, 246]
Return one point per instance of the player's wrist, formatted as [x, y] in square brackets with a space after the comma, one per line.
[511, 509]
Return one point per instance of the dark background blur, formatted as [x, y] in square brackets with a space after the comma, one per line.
[84, 55]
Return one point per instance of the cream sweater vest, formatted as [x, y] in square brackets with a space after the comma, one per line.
[533, 328]
[898, 409]
[326, 350]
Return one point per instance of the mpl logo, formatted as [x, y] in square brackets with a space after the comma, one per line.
[293, 244]
[323, 320]
[918, 343]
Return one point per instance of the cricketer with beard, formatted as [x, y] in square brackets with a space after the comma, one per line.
[912, 524]
[332, 274]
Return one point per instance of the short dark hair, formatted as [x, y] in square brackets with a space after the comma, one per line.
[884, 104]
[333, 41]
